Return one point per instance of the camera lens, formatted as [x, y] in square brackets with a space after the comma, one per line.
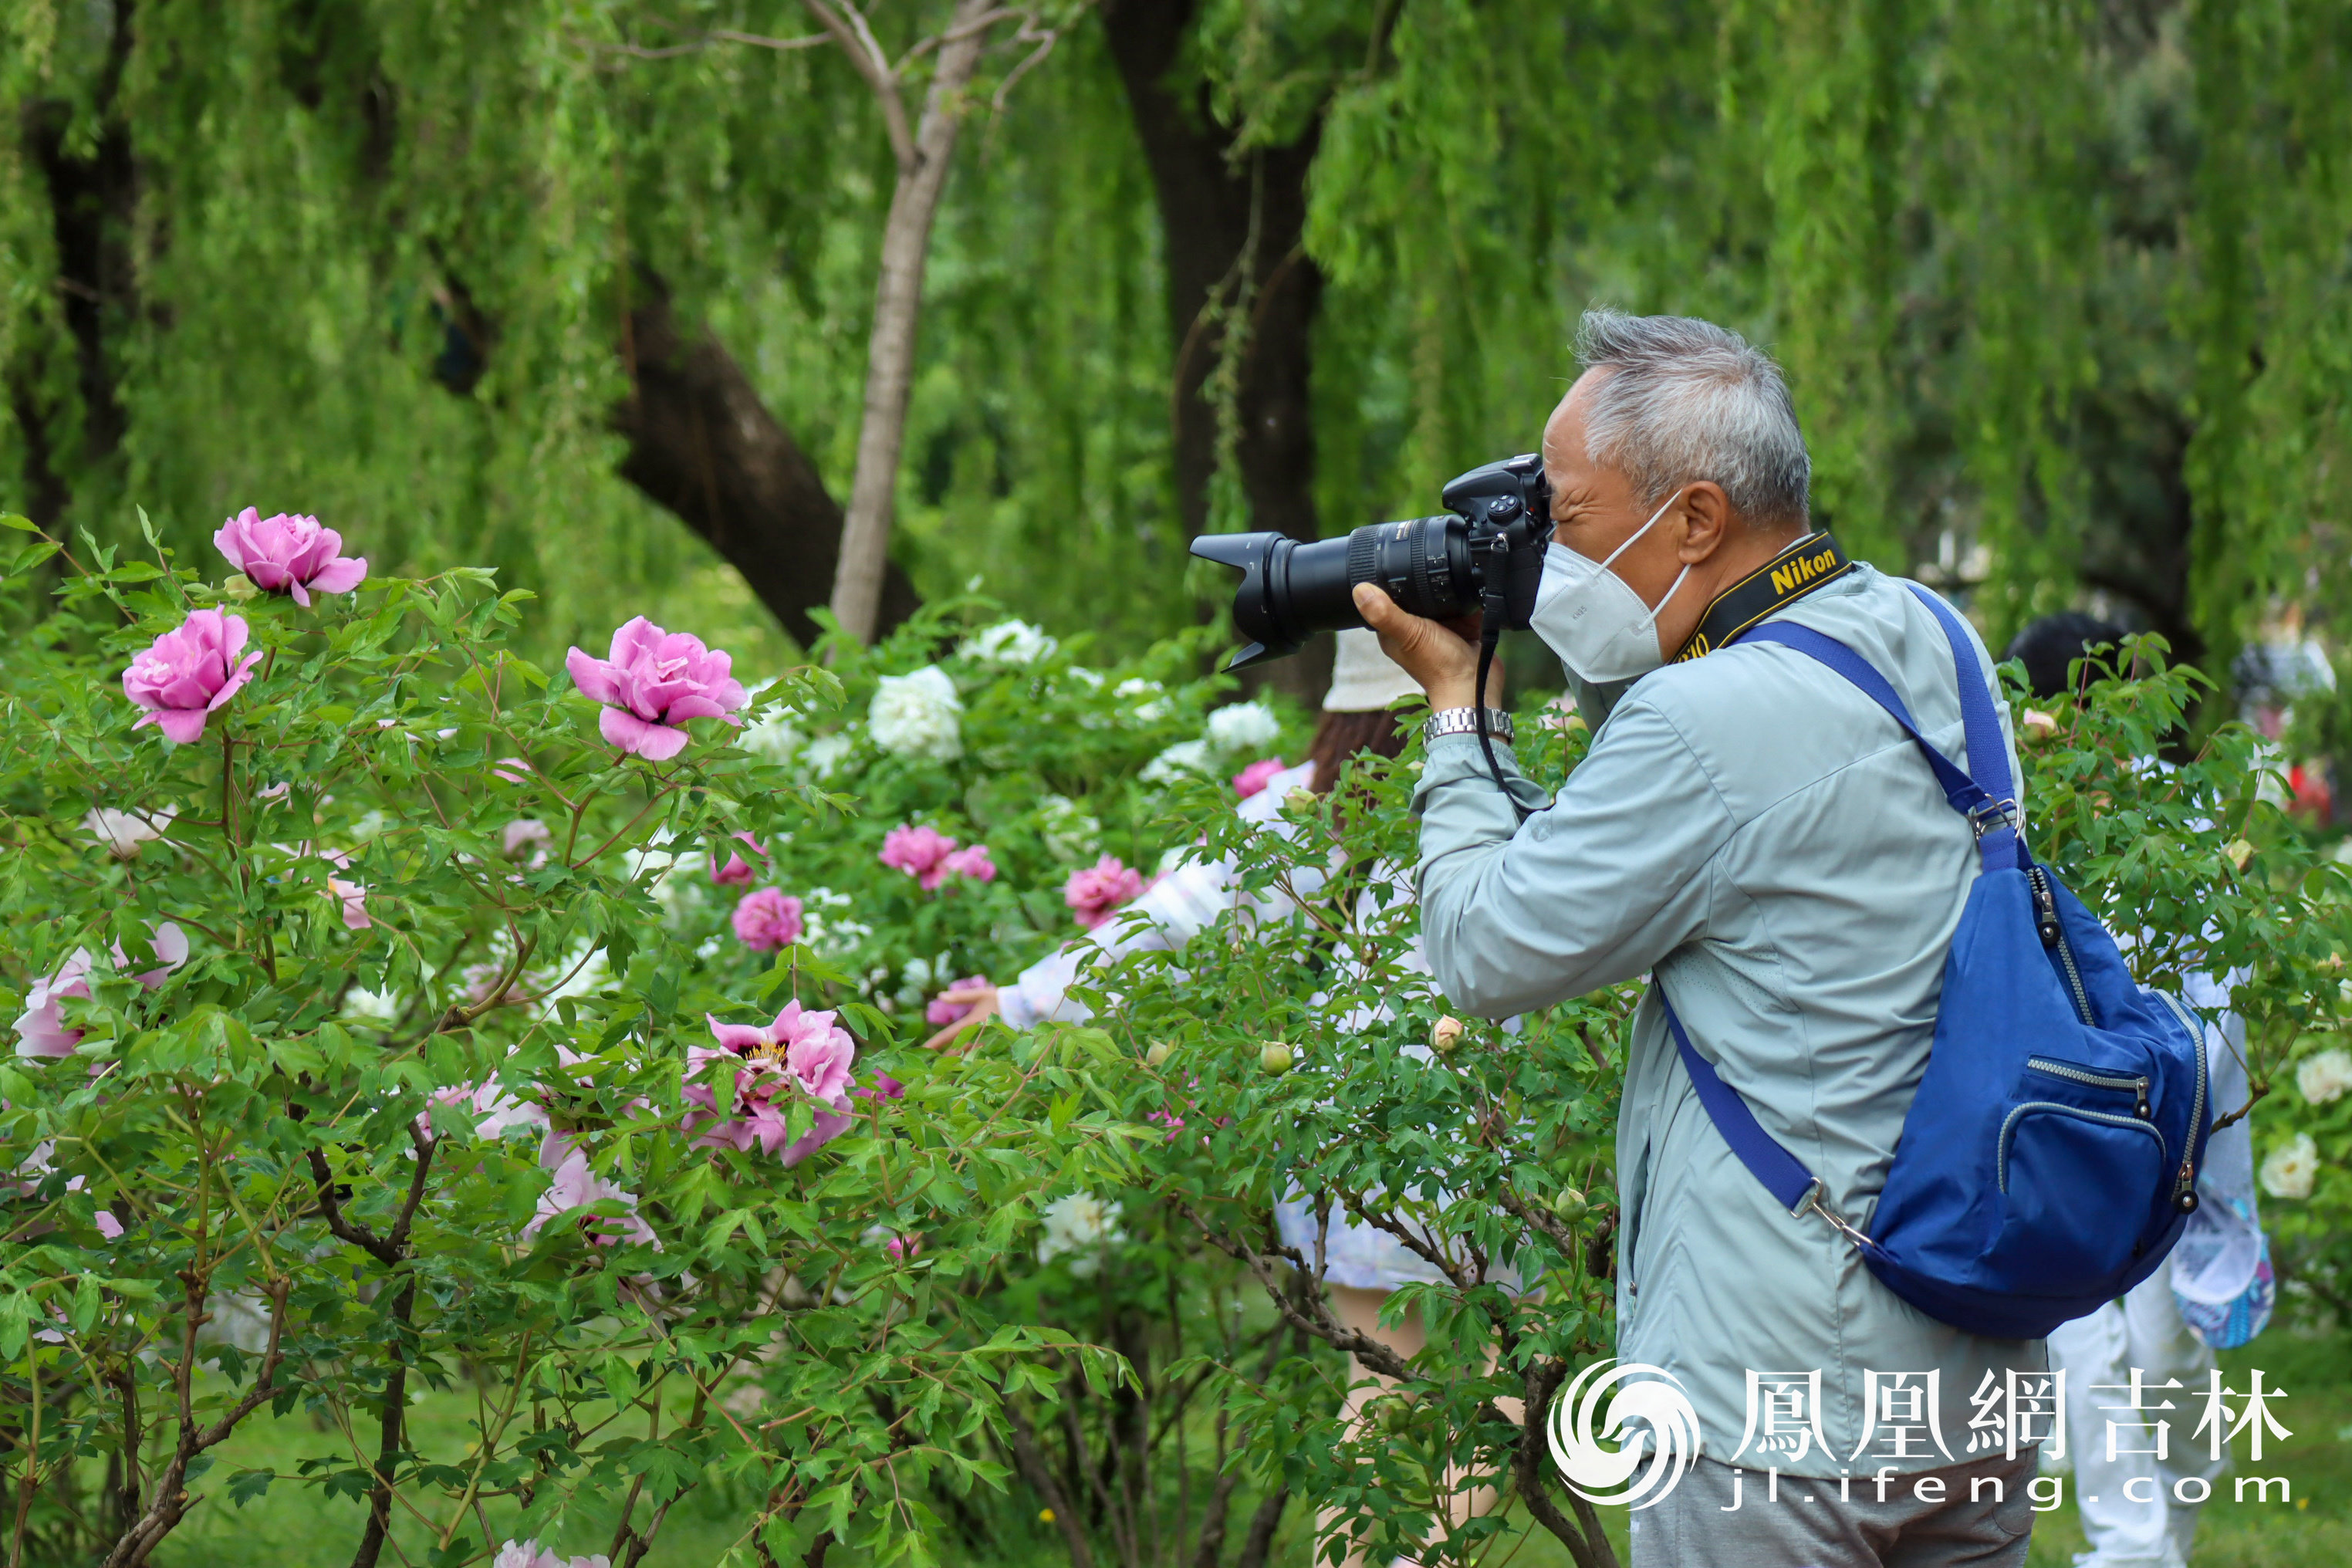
[1290, 590]
[1432, 566]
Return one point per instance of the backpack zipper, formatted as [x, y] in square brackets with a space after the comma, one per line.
[2184, 1191]
[2009, 1123]
[2137, 1086]
[2054, 937]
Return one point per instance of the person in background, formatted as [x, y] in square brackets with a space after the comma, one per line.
[2215, 1293]
[1362, 1262]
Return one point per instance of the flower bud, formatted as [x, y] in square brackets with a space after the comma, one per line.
[2239, 852]
[1274, 1056]
[238, 586]
[2038, 726]
[1300, 801]
[1569, 1204]
[1156, 1055]
[1444, 1034]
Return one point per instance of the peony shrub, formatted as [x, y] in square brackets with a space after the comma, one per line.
[378, 1030]
[440, 1022]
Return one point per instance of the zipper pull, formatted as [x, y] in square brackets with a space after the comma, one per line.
[2045, 908]
[2142, 1110]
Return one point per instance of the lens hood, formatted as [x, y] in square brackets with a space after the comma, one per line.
[1263, 561]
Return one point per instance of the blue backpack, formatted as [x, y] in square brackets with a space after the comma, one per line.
[2048, 1159]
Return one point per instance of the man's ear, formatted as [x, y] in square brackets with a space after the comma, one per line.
[1707, 520]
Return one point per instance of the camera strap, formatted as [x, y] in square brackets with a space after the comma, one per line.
[1807, 564]
[1492, 603]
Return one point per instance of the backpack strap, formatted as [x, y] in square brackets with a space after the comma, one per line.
[1989, 806]
[1984, 793]
[1782, 1173]
[1988, 754]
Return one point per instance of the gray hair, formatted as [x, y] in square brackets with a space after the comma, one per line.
[1687, 401]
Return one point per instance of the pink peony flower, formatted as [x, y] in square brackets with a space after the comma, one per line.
[494, 1111]
[1093, 893]
[737, 872]
[651, 684]
[40, 1030]
[526, 838]
[352, 895]
[1255, 777]
[575, 1187]
[287, 554]
[920, 852]
[767, 920]
[108, 1226]
[974, 863]
[528, 1555]
[942, 1011]
[184, 674]
[902, 1248]
[807, 1051]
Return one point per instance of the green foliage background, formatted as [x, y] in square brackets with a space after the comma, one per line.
[2060, 278]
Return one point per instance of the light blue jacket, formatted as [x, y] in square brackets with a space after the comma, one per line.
[1762, 836]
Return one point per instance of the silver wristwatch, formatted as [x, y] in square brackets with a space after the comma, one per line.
[1465, 721]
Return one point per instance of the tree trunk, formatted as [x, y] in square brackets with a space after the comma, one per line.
[898, 308]
[92, 192]
[1234, 234]
[702, 445]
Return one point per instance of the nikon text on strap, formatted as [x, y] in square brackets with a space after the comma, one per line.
[1789, 576]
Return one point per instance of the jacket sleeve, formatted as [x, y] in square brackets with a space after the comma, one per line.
[1595, 889]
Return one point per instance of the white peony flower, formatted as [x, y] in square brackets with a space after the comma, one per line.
[1070, 833]
[773, 738]
[382, 1008]
[1153, 706]
[1080, 1223]
[122, 832]
[824, 929]
[2324, 1076]
[825, 754]
[918, 716]
[1183, 757]
[2291, 1168]
[918, 979]
[1010, 642]
[1243, 727]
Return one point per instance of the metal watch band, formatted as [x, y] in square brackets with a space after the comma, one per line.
[1465, 721]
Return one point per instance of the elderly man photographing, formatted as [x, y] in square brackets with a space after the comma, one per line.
[1765, 842]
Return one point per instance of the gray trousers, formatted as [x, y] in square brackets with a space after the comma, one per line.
[1696, 1526]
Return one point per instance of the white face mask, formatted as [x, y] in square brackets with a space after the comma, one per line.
[1592, 619]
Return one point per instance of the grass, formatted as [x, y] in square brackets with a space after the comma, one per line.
[296, 1527]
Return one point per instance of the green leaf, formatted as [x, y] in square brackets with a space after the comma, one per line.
[15, 1320]
[33, 554]
[86, 1302]
[249, 1485]
[21, 524]
[298, 1056]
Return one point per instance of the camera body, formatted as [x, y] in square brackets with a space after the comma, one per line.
[1484, 552]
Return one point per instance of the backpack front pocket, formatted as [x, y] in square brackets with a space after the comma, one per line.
[2063, 1169]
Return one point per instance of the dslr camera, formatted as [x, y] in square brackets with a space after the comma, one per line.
[1484, 552]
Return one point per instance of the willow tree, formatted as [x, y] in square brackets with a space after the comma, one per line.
[2054, 279]
[2061, 281]
[487, 281]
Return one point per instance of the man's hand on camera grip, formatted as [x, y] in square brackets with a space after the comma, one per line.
[1443, 655]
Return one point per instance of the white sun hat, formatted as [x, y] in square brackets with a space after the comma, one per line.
[1363, 679]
